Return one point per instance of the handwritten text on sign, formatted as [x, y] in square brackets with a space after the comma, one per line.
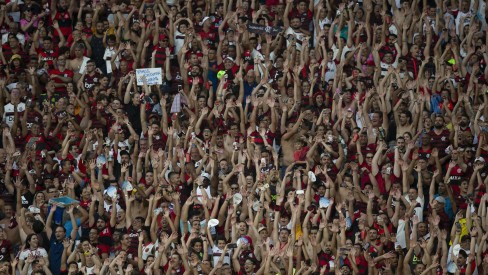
[153, 76]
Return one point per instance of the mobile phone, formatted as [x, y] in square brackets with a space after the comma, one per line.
[458, 226]
[232, 245]
[28, 103]
[180, 88]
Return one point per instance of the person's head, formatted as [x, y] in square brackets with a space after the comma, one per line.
[15, 95]
[13, 41]
[377, 119]
[73, 268]
[124, 157]
[137, 223]
[345, 270]
[99, 28]
[125, 240]
[412, 194]
[414, 49]
[373, 234]
[60, 232]
[400, 142]
[3, 234]
[419, 268]
[284, 234]
[173, 177]
[422, 229]
[405, 118]
[221, 242]
[388, 58]
[101, 223]
[32, 241]
[295, 23]
[197, 245]
[47, 43]
[90, 66]
[369, 158]
[439, 122]
[464, 121]
[462, 256]
[14, 28]
[93, 234]
[183, 27]
[175, 260]
[249, 265]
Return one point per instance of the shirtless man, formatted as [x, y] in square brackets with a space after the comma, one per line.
[403, 119]
[9, 224]
[78, 64]
[136, 207]
[235, 134]
[288, 138]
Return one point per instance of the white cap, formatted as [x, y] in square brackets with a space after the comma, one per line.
[203, 20]
[479, 159]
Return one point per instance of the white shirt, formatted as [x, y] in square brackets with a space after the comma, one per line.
[109, 52]
[451, 265]
[179, 41]
[400, 234]
[418, 210]
[83, 65]
[147, 251]
[331, 70]
[8, 113]
[36, 253]
[216, 252]
[199, 193]
[298, 36]
[384, 67]
[458, 20]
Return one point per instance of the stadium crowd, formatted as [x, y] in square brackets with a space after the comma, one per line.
[243, 137]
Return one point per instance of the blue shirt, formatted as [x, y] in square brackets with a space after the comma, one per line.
[69, 227]
[55, 253]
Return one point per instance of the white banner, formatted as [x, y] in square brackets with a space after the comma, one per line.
[153, 76]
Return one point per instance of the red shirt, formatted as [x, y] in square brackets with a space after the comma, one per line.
[301, 154]
[48, 55]
[64, 73]
[90, 81]
[105, 240]
[210, 35]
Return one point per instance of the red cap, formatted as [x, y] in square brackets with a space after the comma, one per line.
[370, 63]
[249, 240]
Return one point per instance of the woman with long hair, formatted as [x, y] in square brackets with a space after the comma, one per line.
[32, 249]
